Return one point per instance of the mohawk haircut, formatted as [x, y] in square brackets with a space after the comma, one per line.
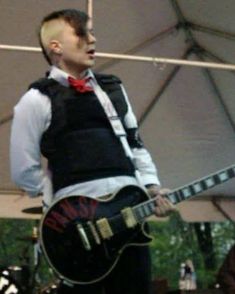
[76, 18]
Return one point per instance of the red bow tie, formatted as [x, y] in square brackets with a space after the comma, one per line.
[80, 85]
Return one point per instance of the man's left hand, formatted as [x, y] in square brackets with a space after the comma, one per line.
[163, 205]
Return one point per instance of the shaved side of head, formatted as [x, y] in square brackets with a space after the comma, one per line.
[51, 30]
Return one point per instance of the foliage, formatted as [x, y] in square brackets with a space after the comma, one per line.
[17, 250]
[175, 241]
[15, 241]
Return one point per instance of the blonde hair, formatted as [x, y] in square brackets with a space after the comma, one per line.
[51, 30]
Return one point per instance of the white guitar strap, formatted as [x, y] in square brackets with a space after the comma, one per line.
[117, 127]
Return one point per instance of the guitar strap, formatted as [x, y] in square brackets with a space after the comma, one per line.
[117, 127]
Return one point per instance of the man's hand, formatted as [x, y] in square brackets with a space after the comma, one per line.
[163, 205]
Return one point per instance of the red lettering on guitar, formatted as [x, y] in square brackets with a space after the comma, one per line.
[56, 221]
[87, 207]
[69, 209]
[52, 223]
[93, 206]
[84, 207]
[81, 207]
[62, 220]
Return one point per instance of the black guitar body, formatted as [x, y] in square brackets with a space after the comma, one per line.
[82, 238]
[72, 238]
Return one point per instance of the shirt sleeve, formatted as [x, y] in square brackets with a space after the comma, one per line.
[31, 118]
[143, 159]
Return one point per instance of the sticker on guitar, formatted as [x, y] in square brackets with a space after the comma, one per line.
[68, 211]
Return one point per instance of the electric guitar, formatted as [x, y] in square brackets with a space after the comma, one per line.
[82, 238]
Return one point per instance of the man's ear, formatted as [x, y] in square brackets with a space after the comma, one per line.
[55, 47]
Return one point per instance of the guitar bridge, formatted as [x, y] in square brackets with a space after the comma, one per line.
[129, 217]
[104, 228]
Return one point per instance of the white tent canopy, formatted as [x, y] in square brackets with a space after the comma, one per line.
[186, 113]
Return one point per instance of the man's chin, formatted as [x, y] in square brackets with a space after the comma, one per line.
[91, 62]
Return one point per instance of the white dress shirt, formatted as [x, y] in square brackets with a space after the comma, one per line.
[32, 116]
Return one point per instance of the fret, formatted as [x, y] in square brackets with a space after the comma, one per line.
[186, 192]
[152, 206]
[140, 212]
[210, 182]
[172, 197]
[180, 195]
[223, 176]
[147, 210]
[231, 172]
[203, 184]
[144, 210]
[197, 187]
[177, 196]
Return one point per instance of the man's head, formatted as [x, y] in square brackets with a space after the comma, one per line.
[67, 41]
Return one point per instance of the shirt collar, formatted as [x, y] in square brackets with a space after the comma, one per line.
[62, 77]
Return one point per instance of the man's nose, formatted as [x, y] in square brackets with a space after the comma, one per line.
[91, 38]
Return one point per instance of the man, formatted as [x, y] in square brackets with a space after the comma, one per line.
[70, 128]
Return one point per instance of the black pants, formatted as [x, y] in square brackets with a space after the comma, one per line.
[131, 275]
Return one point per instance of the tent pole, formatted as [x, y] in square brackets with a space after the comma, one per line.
[90, 11]
[154, 60]
[209, 54]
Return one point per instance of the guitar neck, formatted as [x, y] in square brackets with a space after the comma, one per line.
[146, 209]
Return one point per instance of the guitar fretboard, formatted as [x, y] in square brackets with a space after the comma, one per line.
[147, 208]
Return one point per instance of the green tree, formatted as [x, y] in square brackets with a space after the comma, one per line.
[175, 241]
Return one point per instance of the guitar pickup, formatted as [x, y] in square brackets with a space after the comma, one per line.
[104, 228]
[129, 217]
[83, 237]
[94, 232]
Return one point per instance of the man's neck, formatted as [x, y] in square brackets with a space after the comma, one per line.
[77, 74]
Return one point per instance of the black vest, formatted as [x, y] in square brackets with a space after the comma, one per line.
[80, 144]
